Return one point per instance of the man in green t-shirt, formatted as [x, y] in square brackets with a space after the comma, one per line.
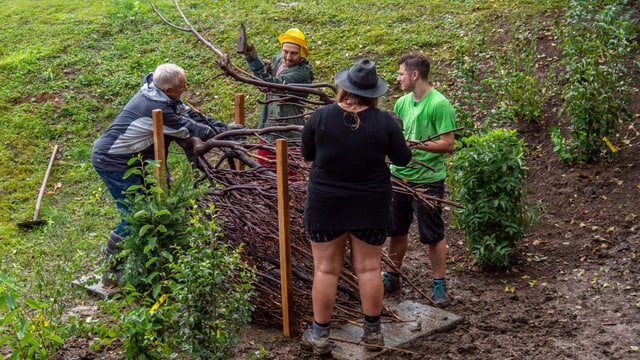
[425, 112]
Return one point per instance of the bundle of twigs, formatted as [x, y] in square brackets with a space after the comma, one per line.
[246, 203]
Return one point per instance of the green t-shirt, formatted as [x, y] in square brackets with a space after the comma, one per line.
[432, 115]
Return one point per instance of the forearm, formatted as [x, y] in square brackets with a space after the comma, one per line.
[438, 147]
[442, 145]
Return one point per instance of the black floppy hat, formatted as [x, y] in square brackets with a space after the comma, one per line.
[362, 79]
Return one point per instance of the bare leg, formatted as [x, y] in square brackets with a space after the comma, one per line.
[328, 260]
[398, 246]
[438, 256]
[366, 264]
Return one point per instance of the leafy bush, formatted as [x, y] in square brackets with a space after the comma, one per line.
[485, 175]
[158, 221]
[212, 289]
[519, 94]
[598, 38]
[468, 96]
[187, 292]
[30, 331]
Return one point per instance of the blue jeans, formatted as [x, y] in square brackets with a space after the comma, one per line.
[117, 187]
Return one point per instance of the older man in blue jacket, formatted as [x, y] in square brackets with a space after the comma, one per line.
[131, 133]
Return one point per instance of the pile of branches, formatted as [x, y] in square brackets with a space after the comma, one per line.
[246, 198]
[247, 207]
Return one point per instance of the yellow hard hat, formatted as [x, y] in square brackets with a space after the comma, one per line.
[295, 36]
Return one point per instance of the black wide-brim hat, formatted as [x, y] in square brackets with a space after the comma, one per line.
[362, 79]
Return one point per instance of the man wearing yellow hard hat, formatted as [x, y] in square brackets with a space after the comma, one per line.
[289, 66]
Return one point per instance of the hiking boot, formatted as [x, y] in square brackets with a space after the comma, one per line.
[110, 280]
[112, 276]
[316, 339]
[439, 292]
[372, 336]
[391, 282]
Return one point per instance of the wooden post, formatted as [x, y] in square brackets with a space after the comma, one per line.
[289, 327]
[158, 146]
[239, 119]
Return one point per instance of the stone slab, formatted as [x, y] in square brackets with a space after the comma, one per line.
[417, 320]
[93, 284]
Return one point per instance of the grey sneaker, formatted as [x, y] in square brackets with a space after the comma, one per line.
[316, 339]
[439, 292]
[372, 336]
[391, 282]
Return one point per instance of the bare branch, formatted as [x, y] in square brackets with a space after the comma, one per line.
[165, 19]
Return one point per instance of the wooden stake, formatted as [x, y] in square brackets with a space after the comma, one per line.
[239, 119]
[289, 327]
[158, 146]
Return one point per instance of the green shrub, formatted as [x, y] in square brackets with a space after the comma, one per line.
[598, 38]
[186, 292]
[485, 175]
[158, 221]
[468, 96]
[514, 83]
[212, 289]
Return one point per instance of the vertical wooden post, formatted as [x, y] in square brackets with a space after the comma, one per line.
[289, 327]
[158, 146]
[239, 119]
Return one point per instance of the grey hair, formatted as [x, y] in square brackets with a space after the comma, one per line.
[167, 76]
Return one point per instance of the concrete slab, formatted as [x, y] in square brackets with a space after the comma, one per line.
[417, 320]
[93, 284]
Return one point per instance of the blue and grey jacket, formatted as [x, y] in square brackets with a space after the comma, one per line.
[131, 132]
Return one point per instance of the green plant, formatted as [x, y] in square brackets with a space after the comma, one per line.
[486, 174]
[187, 291]
[158, 223]
[212, 291]
[518, 93]
[30, 332]
[468, 95]
[598, 38]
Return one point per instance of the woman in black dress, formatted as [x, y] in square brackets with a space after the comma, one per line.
[349, 196]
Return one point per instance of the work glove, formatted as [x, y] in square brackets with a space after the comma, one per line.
[267, 66]
[234, 126]
[250, 52]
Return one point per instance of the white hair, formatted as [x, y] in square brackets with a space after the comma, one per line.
[167, 75]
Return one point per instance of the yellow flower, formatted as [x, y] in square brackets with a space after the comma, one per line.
[154, 308]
